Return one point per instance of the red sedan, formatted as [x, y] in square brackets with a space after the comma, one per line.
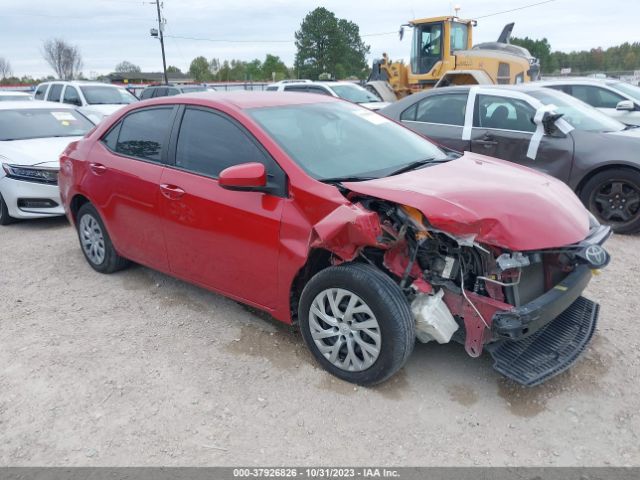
[328, 215]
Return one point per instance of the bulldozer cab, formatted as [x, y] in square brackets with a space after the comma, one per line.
[435, 40]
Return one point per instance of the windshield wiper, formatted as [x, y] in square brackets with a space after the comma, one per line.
[415, 165]
[353, 178]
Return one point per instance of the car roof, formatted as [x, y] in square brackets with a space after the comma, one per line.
[12, 92]
[30, 105]
[81, 83]
[580, 81]
[244, 99]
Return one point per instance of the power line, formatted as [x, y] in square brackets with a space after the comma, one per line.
[226, 40]
[515, 9]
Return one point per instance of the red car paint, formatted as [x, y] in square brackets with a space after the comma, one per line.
[482, 197]
[250, 245]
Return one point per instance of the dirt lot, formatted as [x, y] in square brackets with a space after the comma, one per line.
[139, 369]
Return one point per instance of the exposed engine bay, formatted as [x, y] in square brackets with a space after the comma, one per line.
[458, 288]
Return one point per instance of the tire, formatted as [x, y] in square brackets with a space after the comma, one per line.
[613, 196]
[376, 300]
[5, 219]
[95, 242]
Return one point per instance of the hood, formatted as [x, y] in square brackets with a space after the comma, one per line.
[375, 106]
[35, 151]
[96, 113]
[631, 133]
[496, 202]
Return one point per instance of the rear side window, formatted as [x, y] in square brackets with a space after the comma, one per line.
[143, 133]
[444, 109]
[54, 92]
[295, 88]
[173, 91]
[272, 89]
[596, 96]
[208, 143]
[147, 93]
[39, 95]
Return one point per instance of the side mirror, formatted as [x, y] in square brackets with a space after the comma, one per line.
[246, 176]
[625, 106]
[549, 122]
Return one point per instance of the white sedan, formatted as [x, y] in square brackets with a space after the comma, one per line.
[32, 136]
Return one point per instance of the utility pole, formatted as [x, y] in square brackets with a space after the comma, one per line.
[160, 35]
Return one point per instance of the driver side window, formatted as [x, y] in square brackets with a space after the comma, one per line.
[71, 96]
[208, 143]
[504, 113]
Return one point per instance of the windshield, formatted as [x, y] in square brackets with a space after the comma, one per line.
[337, 140]
[629, 89]
[99, 95]
[354, 93]
[578, 114]
[41, 123]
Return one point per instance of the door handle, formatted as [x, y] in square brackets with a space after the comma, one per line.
[97, 168]
[171, 191]
[487, 141]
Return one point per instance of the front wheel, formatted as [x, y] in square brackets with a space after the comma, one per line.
[357, 323]
[613, 196]
[96, 243]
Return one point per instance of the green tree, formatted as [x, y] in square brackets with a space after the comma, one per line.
[273, 64]
[326, 44]
[199, 69]
[541, 49]
[173, 69]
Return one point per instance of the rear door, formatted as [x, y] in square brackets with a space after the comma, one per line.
[227, 240]
[503, 127]
[53, 95]
[124, 173]
[440, 118]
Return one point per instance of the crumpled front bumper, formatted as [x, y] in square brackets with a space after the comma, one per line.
[527, 319]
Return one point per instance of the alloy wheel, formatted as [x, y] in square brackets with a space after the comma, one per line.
[92, 239]
[616, 201]
[344, 329]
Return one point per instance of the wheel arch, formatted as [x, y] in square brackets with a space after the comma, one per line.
[317, 260]
[609, 166]
[76, 203]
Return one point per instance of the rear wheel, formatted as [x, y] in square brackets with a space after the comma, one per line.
[5, 219]
[95, 242]
[357, 323]
[613, 196]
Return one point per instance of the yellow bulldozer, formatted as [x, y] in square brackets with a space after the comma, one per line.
[442, 54]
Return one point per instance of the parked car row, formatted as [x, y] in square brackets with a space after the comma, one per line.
[363, 232]
[596, 155]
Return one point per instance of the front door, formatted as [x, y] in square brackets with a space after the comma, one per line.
[503, 128]
[226, 240]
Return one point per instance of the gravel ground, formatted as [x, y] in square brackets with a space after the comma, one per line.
[137, 368]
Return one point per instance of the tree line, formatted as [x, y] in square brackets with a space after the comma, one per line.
[327, 47]
[621, 58]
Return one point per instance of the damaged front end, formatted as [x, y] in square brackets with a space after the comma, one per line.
[524, 307]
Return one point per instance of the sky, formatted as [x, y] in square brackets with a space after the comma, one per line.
[110, 31]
